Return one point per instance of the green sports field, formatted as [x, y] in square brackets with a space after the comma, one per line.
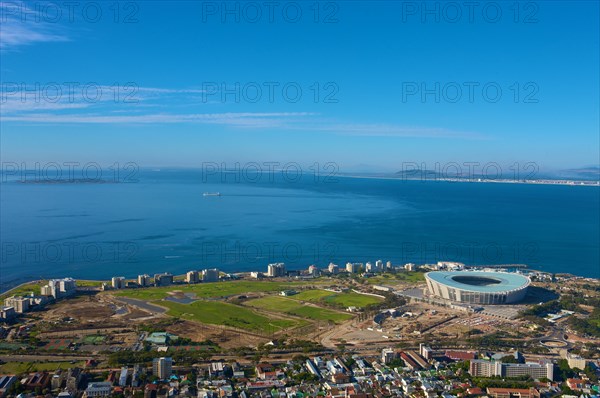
[342, 300]
[294, 307]
[219, 313]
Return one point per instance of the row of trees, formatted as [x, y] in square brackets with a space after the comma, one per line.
[130, 358]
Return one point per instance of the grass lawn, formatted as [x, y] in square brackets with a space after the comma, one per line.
[27, 367]
[342, 300]
[294, 307]
[219, 313]
[352, 300]
[87, 283]
[402, 276]
[411, 276]
[35, 287]
[313, 296]
[208, 290]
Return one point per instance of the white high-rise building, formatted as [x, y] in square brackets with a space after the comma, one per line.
[162, 367]
[275, 270]
[192, 277]
[60, 288]
[540, 370]
[20, 304]
[369, 267]
[425, 351]
[483, 368]
[210, 275]
[46, 291]
[54, 288]
[67, 286]
[388, 355]
[118, 282]
[575, 361]
[144, 280]
[353, 267]
[123, 377]
[164, 279]
[379, 266]
[333, 268]
[7, 313]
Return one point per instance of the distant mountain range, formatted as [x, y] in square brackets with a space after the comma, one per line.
[589, 173]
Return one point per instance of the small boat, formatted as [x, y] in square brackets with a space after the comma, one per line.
[211, 194]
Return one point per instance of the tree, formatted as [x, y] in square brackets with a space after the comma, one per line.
[564, 371]
[509, 359]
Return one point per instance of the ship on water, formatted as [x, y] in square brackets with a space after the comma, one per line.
[211, 194]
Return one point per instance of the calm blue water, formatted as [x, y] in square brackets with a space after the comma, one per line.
[163, 223]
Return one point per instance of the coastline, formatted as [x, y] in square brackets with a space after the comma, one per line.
[92, 283]
[579, 183]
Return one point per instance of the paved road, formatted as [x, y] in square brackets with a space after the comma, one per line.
[142, 304]
[557, 334]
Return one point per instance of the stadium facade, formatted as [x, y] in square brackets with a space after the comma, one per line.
[477, 287]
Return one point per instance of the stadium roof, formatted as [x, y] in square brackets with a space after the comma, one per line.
[503, 281]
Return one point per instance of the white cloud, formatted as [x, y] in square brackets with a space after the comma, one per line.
[285, 121]
[175, 106]
[8, 106]
[242, 119]
[20, 27]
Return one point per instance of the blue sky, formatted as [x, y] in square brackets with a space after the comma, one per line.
[370, 62]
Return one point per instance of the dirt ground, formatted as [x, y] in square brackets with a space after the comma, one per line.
[82, 309]
[417, 319]
[224, 337]
[93, 309]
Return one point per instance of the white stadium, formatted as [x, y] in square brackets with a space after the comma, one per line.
[477, 287]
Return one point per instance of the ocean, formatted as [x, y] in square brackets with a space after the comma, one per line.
[160, 221]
